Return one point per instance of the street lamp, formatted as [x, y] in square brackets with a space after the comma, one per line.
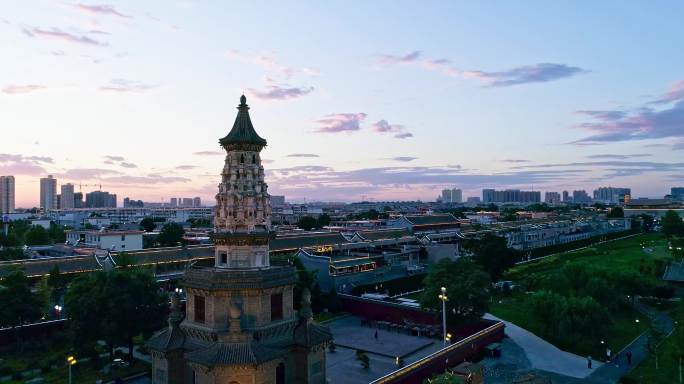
[70, 361]
[444, 298]
[58, 311]
[448, 338]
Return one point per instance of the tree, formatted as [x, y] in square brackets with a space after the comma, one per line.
[467, 287]
[56, 233]
[672, 224]
[147, 224]
[305, 280]
[493, 254]
[19, 304]
[57, 283]
[307, 223]
[170, 235]
[37, 235]
[615, 213]
[115, 307]
[323, 220]
[363, 358]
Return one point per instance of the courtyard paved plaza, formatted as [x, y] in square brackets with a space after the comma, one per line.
[349, 335]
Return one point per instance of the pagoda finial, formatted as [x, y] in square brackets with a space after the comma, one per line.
[243, 101]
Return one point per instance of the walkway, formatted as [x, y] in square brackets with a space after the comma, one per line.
[545, 356]
[611, 373]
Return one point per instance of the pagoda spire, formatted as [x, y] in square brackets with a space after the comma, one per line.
[242, 134]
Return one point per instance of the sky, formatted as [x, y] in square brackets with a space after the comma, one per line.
[382, 100]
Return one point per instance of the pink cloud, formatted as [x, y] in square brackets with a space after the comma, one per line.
[410, 57]
[101, 9]
[399, 131]
[58, 34]
[340, 122]
[14, 89]
[276, 92]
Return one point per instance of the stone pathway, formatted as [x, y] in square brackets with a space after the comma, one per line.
[544, 355]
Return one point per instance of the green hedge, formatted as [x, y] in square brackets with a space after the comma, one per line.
[558, 248]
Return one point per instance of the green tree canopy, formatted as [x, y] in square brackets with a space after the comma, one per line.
[307, 223]
[467, 287]
[170, 235]
[37, 235]
[57, 233]
[19, 304]
[672, 224]
[114, 306]
[493, 254]
[147, 224]
[323, 220]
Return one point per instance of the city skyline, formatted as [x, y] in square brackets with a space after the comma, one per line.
[349, 112]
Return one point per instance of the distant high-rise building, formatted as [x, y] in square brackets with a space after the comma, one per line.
[611, 195]
[130, 203]
[452, 195]
[187, 202]
[677, 193]
[48, 193]
[173, 202]
[552, 197]
[581, 196]
[510, 196]
[566, 196]
[67, 196]
[100, 199]
[59, 201]
[456, 195]
[487, 195]
[196, 202]
[78, 200]
[473, 200]
[6, 194]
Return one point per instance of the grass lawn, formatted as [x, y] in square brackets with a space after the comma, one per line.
[644, 252]
[625, 254]
[668, 367]
[624, 328]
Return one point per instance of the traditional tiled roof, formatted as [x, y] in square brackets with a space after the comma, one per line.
[221, 353]
[243, 131]
[432, 219]
[168, 339]
[282, 243]
[40, 267]
[310, 334]
[226, 278]
[382, 234]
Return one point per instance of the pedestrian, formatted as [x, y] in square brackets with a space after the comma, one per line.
[629, 357]
[589, 362]
[376, 335]
[608, 353]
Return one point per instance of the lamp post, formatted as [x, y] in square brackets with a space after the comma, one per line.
[70, 361]
[58, 311]
[444, 299]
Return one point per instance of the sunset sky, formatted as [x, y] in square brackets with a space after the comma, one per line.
[389, 100]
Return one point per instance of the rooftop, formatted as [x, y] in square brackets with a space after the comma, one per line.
[243, 131]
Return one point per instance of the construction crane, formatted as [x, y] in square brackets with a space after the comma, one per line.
[80, 186]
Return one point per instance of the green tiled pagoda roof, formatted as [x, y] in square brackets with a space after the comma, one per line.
[243, 131]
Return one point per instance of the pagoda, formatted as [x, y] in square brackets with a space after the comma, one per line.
[240, 325]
